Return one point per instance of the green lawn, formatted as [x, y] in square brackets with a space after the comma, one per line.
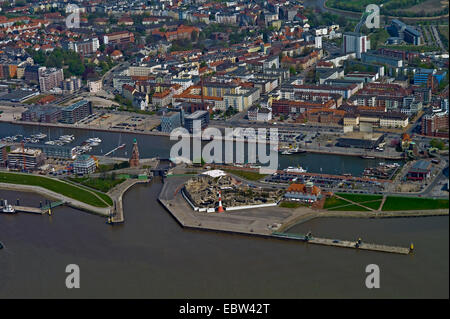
[374, 205]
[334, 202]
[350, 208]
[290, 204]
[102, 184]
[251, 176]
[56, 186]
[394, 203]
[357, 198]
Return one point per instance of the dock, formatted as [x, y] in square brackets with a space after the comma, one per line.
[357, 244]
[34, 210]
[27, 209]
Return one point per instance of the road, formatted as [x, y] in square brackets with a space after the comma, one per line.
[438, 38]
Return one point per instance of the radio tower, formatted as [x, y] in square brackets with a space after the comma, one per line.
[220, 208]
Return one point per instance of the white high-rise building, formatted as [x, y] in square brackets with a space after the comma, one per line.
[355, 43]
[318, 42]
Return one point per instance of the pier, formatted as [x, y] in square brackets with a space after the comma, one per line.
[114, 149]
[357, 244]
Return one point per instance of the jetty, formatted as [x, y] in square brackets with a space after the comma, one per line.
[357, 244]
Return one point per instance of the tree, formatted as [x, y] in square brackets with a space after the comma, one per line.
[292, 70]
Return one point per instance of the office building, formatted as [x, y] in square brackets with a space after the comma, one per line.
[76, 112]
[26, 158]
[201, 116]
[170, 121]
[405, 32]
[84, 164]
[354, 42]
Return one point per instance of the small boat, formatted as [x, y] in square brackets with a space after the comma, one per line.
[291, 169]
[367, 157]
[94, 140]
[286, 153]
[40, 136]
[8, 209]
[347, 174]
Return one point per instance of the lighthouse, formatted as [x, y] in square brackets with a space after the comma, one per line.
[220, 208]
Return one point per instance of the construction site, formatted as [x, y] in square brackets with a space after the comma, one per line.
[227, 193]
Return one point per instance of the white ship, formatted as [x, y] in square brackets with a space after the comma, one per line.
[8, 209]
[39, 136]
[94, 139]
[291, 169]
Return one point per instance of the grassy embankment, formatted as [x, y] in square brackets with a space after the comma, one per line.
[101, 184]
[392, 203]
[251, 176]
[81, 194]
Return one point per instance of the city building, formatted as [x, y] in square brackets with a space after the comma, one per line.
[3, 155]
[25, 158]
[95, 86]
[50, 78]
[307, 192]
[355, 43]
[44, 114]
[419, 171]
[405, 32]
[201, 116]
[71, 84]
[435, 124]
[120, 37]
[360, 140]
[170, 121]
[84, 165]
[57, 151]
[76, 112]
[84, 47]
[381, 59]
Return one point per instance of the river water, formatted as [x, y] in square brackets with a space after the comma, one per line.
[151, 256]
[152, 146]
